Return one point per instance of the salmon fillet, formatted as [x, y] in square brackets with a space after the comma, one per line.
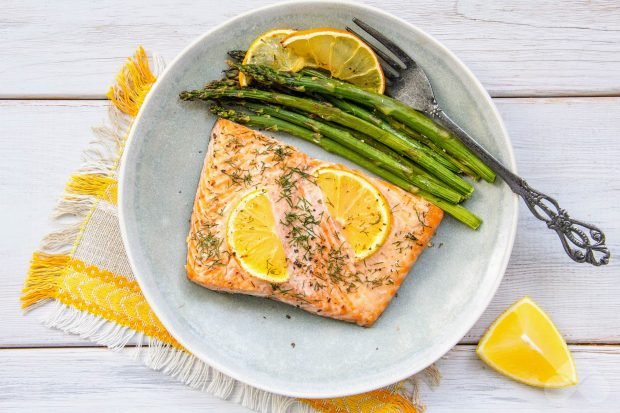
[325, 279]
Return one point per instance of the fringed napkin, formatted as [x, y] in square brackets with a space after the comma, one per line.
[83, 268]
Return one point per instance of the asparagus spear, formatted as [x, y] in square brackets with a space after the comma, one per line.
[271, 123]
[236, 55]
[430, 148]
[363, 113]
[405, 169]
[382, 103]
[378, 145]
[434, 148]
[219, 90]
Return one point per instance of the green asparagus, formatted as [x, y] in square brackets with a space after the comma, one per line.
[424, 157]
[430, 148]
[434, 148]
[384, 104]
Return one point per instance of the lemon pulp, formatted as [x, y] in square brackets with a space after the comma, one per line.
[343, 54]
[362, 211]
[253, 240]
[267, 50]
[524, 344]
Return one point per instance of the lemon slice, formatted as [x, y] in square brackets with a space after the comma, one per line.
[524, 345]
[359, 207]
[344, 55]
[252, 237]
[267, 50]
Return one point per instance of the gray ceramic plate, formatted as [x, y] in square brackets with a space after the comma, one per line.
[250, 338]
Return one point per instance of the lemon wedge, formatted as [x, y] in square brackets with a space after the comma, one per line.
[267, 50]
[343, 54]
[251, 234]
[359, 207]
[524, 345]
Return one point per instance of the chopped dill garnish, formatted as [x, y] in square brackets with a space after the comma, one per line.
[338, 271]
[289, 292]
[281, 152]
[302, 223]
[237, 175]
[423, 219]
[234, 141]
[300, 218]
[288, 182]
[208, 246]
[378, 282]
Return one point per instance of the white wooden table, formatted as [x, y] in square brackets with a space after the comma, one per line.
[553, 69]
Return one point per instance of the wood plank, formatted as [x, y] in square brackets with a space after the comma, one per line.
[97, 377]
[473, 387]
[565, 147]
[74, 47]
[75, 380]
[41, 145]
[558, 149]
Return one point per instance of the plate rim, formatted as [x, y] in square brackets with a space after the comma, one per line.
[379, 382]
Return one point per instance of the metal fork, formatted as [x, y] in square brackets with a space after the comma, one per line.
[408, 83]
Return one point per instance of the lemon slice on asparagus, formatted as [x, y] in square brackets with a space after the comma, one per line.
[343, 54]
[359, 207]
[253, 240]
[524, 345]
[267, 50]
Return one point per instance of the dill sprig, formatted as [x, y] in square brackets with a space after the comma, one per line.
[238, 175]
[336, 262]
[338, 271]
[302, 223]
[300, 218]
[277, 288]
[380, 281]
[422, 219]
[279, 152]
[208, 246]
[289, 179]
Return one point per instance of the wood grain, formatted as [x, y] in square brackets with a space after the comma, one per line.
[558, 149]
[568, 147]
[72, 48]
[564, 147]
[40, 143]
[76, 380]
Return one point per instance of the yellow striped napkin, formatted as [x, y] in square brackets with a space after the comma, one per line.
[83, 268]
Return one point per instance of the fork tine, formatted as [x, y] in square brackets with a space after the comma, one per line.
[390, 45]
[387, 59]
[389, 73]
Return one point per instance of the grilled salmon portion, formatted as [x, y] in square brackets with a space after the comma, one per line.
[325, 278]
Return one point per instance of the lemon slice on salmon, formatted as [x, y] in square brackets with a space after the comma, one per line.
[267, 50]
[251, 234]
[524, 345]
[343, 54]
[359, 207]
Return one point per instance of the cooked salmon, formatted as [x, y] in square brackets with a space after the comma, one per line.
[325, 278]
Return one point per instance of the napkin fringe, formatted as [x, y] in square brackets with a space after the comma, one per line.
[42, 279]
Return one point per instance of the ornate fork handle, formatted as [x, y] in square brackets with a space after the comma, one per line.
[582, 242]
